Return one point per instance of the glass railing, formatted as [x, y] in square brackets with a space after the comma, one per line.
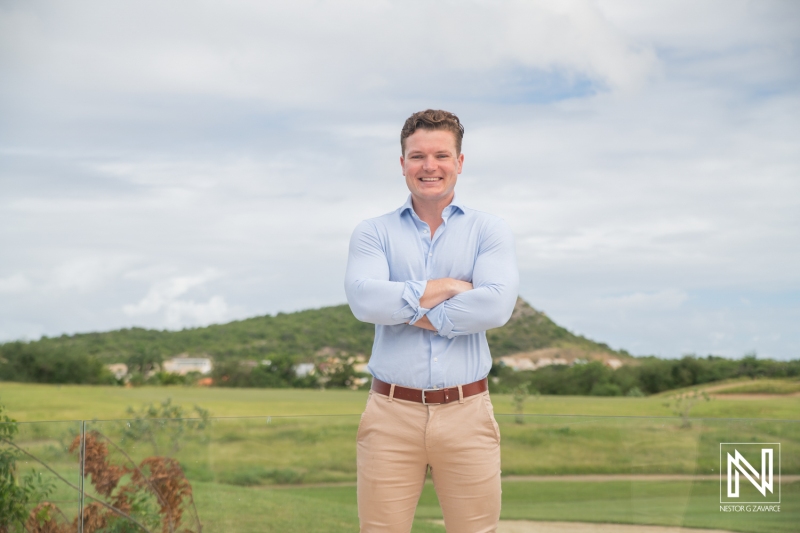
[297, 474]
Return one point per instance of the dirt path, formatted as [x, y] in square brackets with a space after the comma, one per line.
[530, 526]
[628, 477]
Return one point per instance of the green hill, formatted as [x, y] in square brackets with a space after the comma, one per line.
[534, 352]
[301, 335]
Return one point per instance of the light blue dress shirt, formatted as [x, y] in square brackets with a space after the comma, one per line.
[392, 257]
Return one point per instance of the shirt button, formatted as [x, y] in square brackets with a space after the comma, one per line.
[425, 231]
[430, 254]
[435, 359]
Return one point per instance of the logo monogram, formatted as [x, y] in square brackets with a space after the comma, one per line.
[732, 455]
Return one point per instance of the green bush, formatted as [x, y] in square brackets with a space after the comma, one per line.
[647, 375]
[262, 476]
[33, 362]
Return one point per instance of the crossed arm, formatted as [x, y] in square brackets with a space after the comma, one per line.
[436, 292]
[447, 306]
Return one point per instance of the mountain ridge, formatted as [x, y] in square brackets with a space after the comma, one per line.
[304, 335]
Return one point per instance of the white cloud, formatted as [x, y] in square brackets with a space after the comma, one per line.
[16, 283]
[313, 53]
[644, 153]
[179, 313]
[650, 301]
[164, 298]
[86, 273]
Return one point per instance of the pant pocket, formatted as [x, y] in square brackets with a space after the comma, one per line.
[489, 408]
[364, 415]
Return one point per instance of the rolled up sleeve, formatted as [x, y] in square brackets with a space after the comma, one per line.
[372, 297]
[495, 288]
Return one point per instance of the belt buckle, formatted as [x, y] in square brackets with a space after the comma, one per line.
[423, 396]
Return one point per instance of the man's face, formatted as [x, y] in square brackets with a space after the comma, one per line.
[431, 165]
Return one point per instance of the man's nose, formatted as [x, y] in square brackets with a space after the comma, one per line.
[429, 163]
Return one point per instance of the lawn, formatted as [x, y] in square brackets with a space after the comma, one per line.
[330, 509]
[29, 402]
[263, 472]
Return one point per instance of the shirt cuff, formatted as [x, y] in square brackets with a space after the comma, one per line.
[412, 292]
[440, 321]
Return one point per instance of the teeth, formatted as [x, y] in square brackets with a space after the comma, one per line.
[429, 179]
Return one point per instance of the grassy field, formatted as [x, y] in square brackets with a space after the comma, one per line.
[330, 509]
[29, 402]
[762, 386]
[262, 473]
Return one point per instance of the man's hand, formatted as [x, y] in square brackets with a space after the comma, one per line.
[439, 290]
[424, 323]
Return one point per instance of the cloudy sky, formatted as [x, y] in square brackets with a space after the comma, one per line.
[175, 164]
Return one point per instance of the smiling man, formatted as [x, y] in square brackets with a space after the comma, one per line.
[432, 276]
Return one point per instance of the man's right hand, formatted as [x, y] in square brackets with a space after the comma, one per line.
[439, 290]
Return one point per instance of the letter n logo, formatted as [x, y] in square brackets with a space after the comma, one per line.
[737, 460]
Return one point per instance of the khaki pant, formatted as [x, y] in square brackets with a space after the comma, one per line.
[396, 442]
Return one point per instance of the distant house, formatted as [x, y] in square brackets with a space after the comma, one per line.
[614, 363]
[521, 362]
[185, 365]
[517, 364]
[120, 370]
[303, 369]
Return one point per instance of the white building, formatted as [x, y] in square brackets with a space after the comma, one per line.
[185, 365]
[304, 369]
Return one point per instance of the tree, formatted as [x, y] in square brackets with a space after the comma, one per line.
[682, 404]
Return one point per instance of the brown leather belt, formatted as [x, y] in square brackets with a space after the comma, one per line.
[429, 396]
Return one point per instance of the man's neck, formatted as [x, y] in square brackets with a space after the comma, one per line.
[430, 212]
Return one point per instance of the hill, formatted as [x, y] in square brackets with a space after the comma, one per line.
[301, 335]
[532, 352]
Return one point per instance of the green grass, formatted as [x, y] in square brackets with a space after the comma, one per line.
[674, 503]
[763, 386]
[257, 474]
[333, 509]
[28, 402]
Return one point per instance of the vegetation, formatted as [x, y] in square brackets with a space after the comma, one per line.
[153, 495]
[16, 496]
[529, 330]
[278, 372]
[762, 386]
[647, 375]
[165, 427]
[333, 509]
[282, 340]
[298, 335]
[263, 352]
[682, 404]
[235, 464]
[43, 363]
[31, 402]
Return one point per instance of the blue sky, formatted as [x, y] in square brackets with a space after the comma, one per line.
[174, 165]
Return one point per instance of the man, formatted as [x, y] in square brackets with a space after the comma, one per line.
[432, 276]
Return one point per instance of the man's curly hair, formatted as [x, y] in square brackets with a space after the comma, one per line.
[432, 119]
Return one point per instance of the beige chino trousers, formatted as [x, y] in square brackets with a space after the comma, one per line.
[397, 441]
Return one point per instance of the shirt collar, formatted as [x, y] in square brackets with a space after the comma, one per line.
[455, 204]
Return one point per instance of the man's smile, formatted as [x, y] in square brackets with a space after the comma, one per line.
[429, 179]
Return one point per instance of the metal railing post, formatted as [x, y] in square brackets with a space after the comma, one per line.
[83, 474]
